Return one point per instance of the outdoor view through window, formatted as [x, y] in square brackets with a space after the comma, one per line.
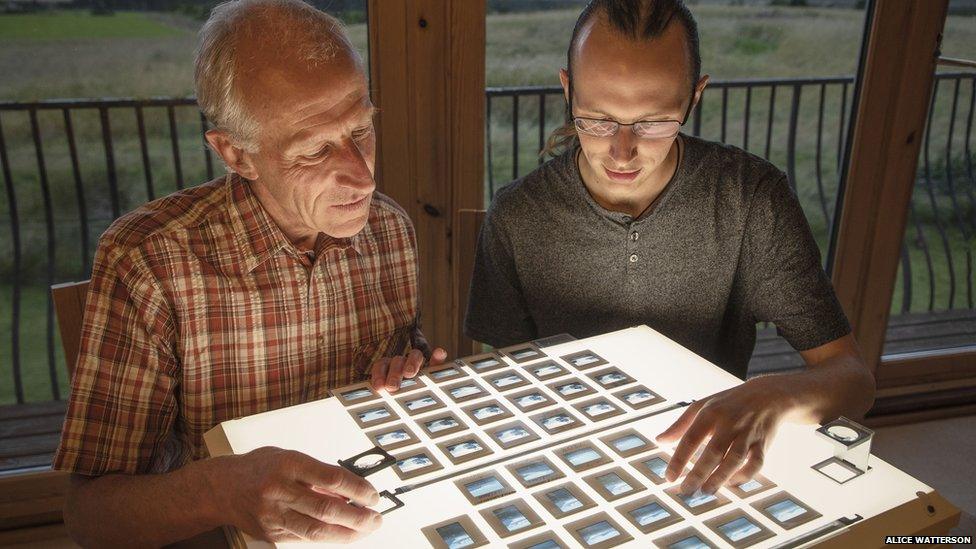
[96, 118]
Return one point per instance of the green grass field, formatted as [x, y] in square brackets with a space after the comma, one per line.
[75, 54]
[73, 25]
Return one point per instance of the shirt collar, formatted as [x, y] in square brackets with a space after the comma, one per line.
[259, 237]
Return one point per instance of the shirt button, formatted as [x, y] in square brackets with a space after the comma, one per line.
[633, 258]
[634, 236]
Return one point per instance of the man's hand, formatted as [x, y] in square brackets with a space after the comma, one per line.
[389, 372]
[737, 424]
[283, 495]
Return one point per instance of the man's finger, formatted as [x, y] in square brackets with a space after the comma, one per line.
[690, 441]
[752, 467]
[680, 425]
[297, 525]
[378, 379]
[335, 510]
[710, 458]
[438, 356]
[415, 359]
[734, 459]
[307, 528]
[394, 373]
[330, 479]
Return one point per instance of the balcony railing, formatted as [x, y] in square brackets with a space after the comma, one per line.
[69, 168]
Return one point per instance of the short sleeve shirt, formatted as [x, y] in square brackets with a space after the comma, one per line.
[200, 310]
[725, 246]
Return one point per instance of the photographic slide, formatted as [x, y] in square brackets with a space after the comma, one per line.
[456, 533]
[487, 412]
[598, 531]
[583, 457]
[546, 370]
[649, 514]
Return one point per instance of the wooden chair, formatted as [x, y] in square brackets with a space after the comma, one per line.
[69, 307]
[31, 503]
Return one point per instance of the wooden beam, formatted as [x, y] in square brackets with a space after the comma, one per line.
[926, 414]
[926, 367]
[895, 88]
[32, 499]
[428, 78]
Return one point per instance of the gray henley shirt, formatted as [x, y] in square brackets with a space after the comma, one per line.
[725, 246]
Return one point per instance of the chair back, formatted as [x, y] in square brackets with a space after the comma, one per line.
[69, 307]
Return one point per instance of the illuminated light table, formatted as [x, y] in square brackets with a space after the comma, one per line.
[551, 444]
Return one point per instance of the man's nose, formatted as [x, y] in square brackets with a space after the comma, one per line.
[623, 149]
[354, 170]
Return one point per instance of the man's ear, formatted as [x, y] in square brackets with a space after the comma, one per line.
[699, 89]
[564, 80]
[236, 158]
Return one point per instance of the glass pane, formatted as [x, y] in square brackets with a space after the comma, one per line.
[782, 75]
[933, 302]
[92, 159]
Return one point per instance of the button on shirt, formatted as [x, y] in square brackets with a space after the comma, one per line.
[200, 310]
[724, 246]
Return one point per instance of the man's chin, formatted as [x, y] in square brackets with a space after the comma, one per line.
[346, 224]
[618, 187]
[347, 229]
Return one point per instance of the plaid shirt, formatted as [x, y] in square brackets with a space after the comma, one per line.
[200, 310]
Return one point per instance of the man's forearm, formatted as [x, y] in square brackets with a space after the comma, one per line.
[838, 386]
[143, 510]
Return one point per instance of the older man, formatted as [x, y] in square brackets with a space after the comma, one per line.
[259, 290]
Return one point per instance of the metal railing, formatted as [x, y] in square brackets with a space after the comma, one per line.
[799, 124]
[45, 157]
[69, 168]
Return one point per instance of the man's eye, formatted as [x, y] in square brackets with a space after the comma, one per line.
[321, 153]
[362, 133]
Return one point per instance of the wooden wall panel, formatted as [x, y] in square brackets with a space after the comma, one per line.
[428, 77]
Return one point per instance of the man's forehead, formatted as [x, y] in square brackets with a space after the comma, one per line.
[602, 45]
[290, 91]
[330, 106]
[609, 67]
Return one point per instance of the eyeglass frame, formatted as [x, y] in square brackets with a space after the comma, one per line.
[572, 117]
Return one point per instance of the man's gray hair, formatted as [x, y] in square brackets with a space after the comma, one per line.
[293, 26]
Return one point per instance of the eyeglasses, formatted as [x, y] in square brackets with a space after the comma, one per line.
[646, 129]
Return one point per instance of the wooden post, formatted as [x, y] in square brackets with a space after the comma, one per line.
[467, 226]
[895, 89]
[427, 67]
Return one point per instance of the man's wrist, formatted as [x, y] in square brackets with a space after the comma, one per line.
[788, 395]
[215, 507]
